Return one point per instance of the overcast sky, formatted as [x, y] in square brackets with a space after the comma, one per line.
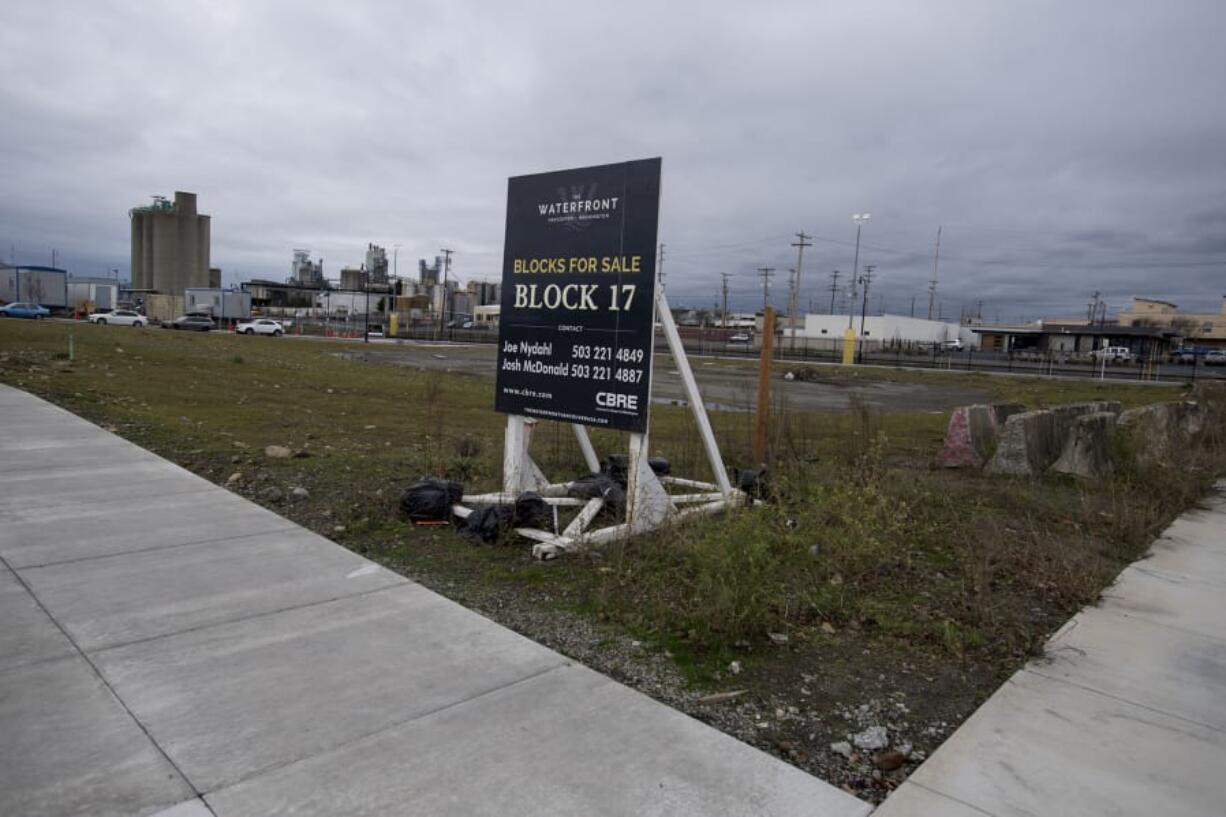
[1065, 147]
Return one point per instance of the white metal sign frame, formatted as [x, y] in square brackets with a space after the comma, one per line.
[648, 502]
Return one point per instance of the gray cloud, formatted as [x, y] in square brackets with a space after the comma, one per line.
[1065, 147]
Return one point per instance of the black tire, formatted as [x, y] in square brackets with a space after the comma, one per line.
[102, 321]
[248, 331]
[276, 333]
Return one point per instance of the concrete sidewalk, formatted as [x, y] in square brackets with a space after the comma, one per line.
[1124, 715]
[170, 648]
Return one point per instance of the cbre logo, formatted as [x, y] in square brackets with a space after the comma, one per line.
[609, 399]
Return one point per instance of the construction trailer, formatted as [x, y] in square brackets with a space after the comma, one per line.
[45, 286]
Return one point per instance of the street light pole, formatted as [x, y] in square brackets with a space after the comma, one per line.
[366, 285]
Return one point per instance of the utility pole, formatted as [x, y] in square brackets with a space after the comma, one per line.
[834, 288]
[932, 285]
[913, 306]
[792, 296]
[766, 273]
[800, 243]
[442, 317]
[724, 313]
[859, 219]
[1092, 308]
[866, 279]
[979, 311]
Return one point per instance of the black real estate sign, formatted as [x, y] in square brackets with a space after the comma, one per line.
[578, 287]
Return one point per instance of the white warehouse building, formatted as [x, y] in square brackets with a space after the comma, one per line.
[880, 331]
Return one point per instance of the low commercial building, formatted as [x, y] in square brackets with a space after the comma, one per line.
[1194, 328]
[487, 315]
[1075, 340]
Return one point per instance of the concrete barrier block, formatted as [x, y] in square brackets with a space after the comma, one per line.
[1160, 431]
[1029, 443]
[972, 434]
[1087, 451]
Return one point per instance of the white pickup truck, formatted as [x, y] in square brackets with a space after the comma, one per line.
[260, 326]
[1113, 354]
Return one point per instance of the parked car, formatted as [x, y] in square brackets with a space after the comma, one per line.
[740, 337]
[1113, 354]
[1188, 354]
[21, 309]
[954, 345]
[119, 317]
[197, 323]
[259, 326]
[1215, 357]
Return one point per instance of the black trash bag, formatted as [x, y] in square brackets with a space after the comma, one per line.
[616, 467]
[599, 486]
[754, 483]
[491, 524]
[531, 511]
[488, 523]
[430, 499]
[660, 466]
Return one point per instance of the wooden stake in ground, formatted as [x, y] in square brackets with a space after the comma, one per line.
[764, 383]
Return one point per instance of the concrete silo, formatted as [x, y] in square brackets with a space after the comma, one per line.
[170, 245]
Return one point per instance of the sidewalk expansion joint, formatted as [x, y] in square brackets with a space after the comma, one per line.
[273, 767]
[280, 529]
[255, 616]
[1123, 700]
[102, 680]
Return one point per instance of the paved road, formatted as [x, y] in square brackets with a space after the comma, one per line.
[169, 648]
[1126, 713]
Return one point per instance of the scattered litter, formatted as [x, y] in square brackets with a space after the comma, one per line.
[735, 667]
[720, 697]
[841, 747]
[778, 638]
[874, 737]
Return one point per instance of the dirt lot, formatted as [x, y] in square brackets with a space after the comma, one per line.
[725, 384]
[876, 598]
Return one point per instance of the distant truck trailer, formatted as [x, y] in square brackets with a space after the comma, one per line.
[45, 286]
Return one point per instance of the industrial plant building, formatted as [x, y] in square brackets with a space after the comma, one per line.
[170, 246]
